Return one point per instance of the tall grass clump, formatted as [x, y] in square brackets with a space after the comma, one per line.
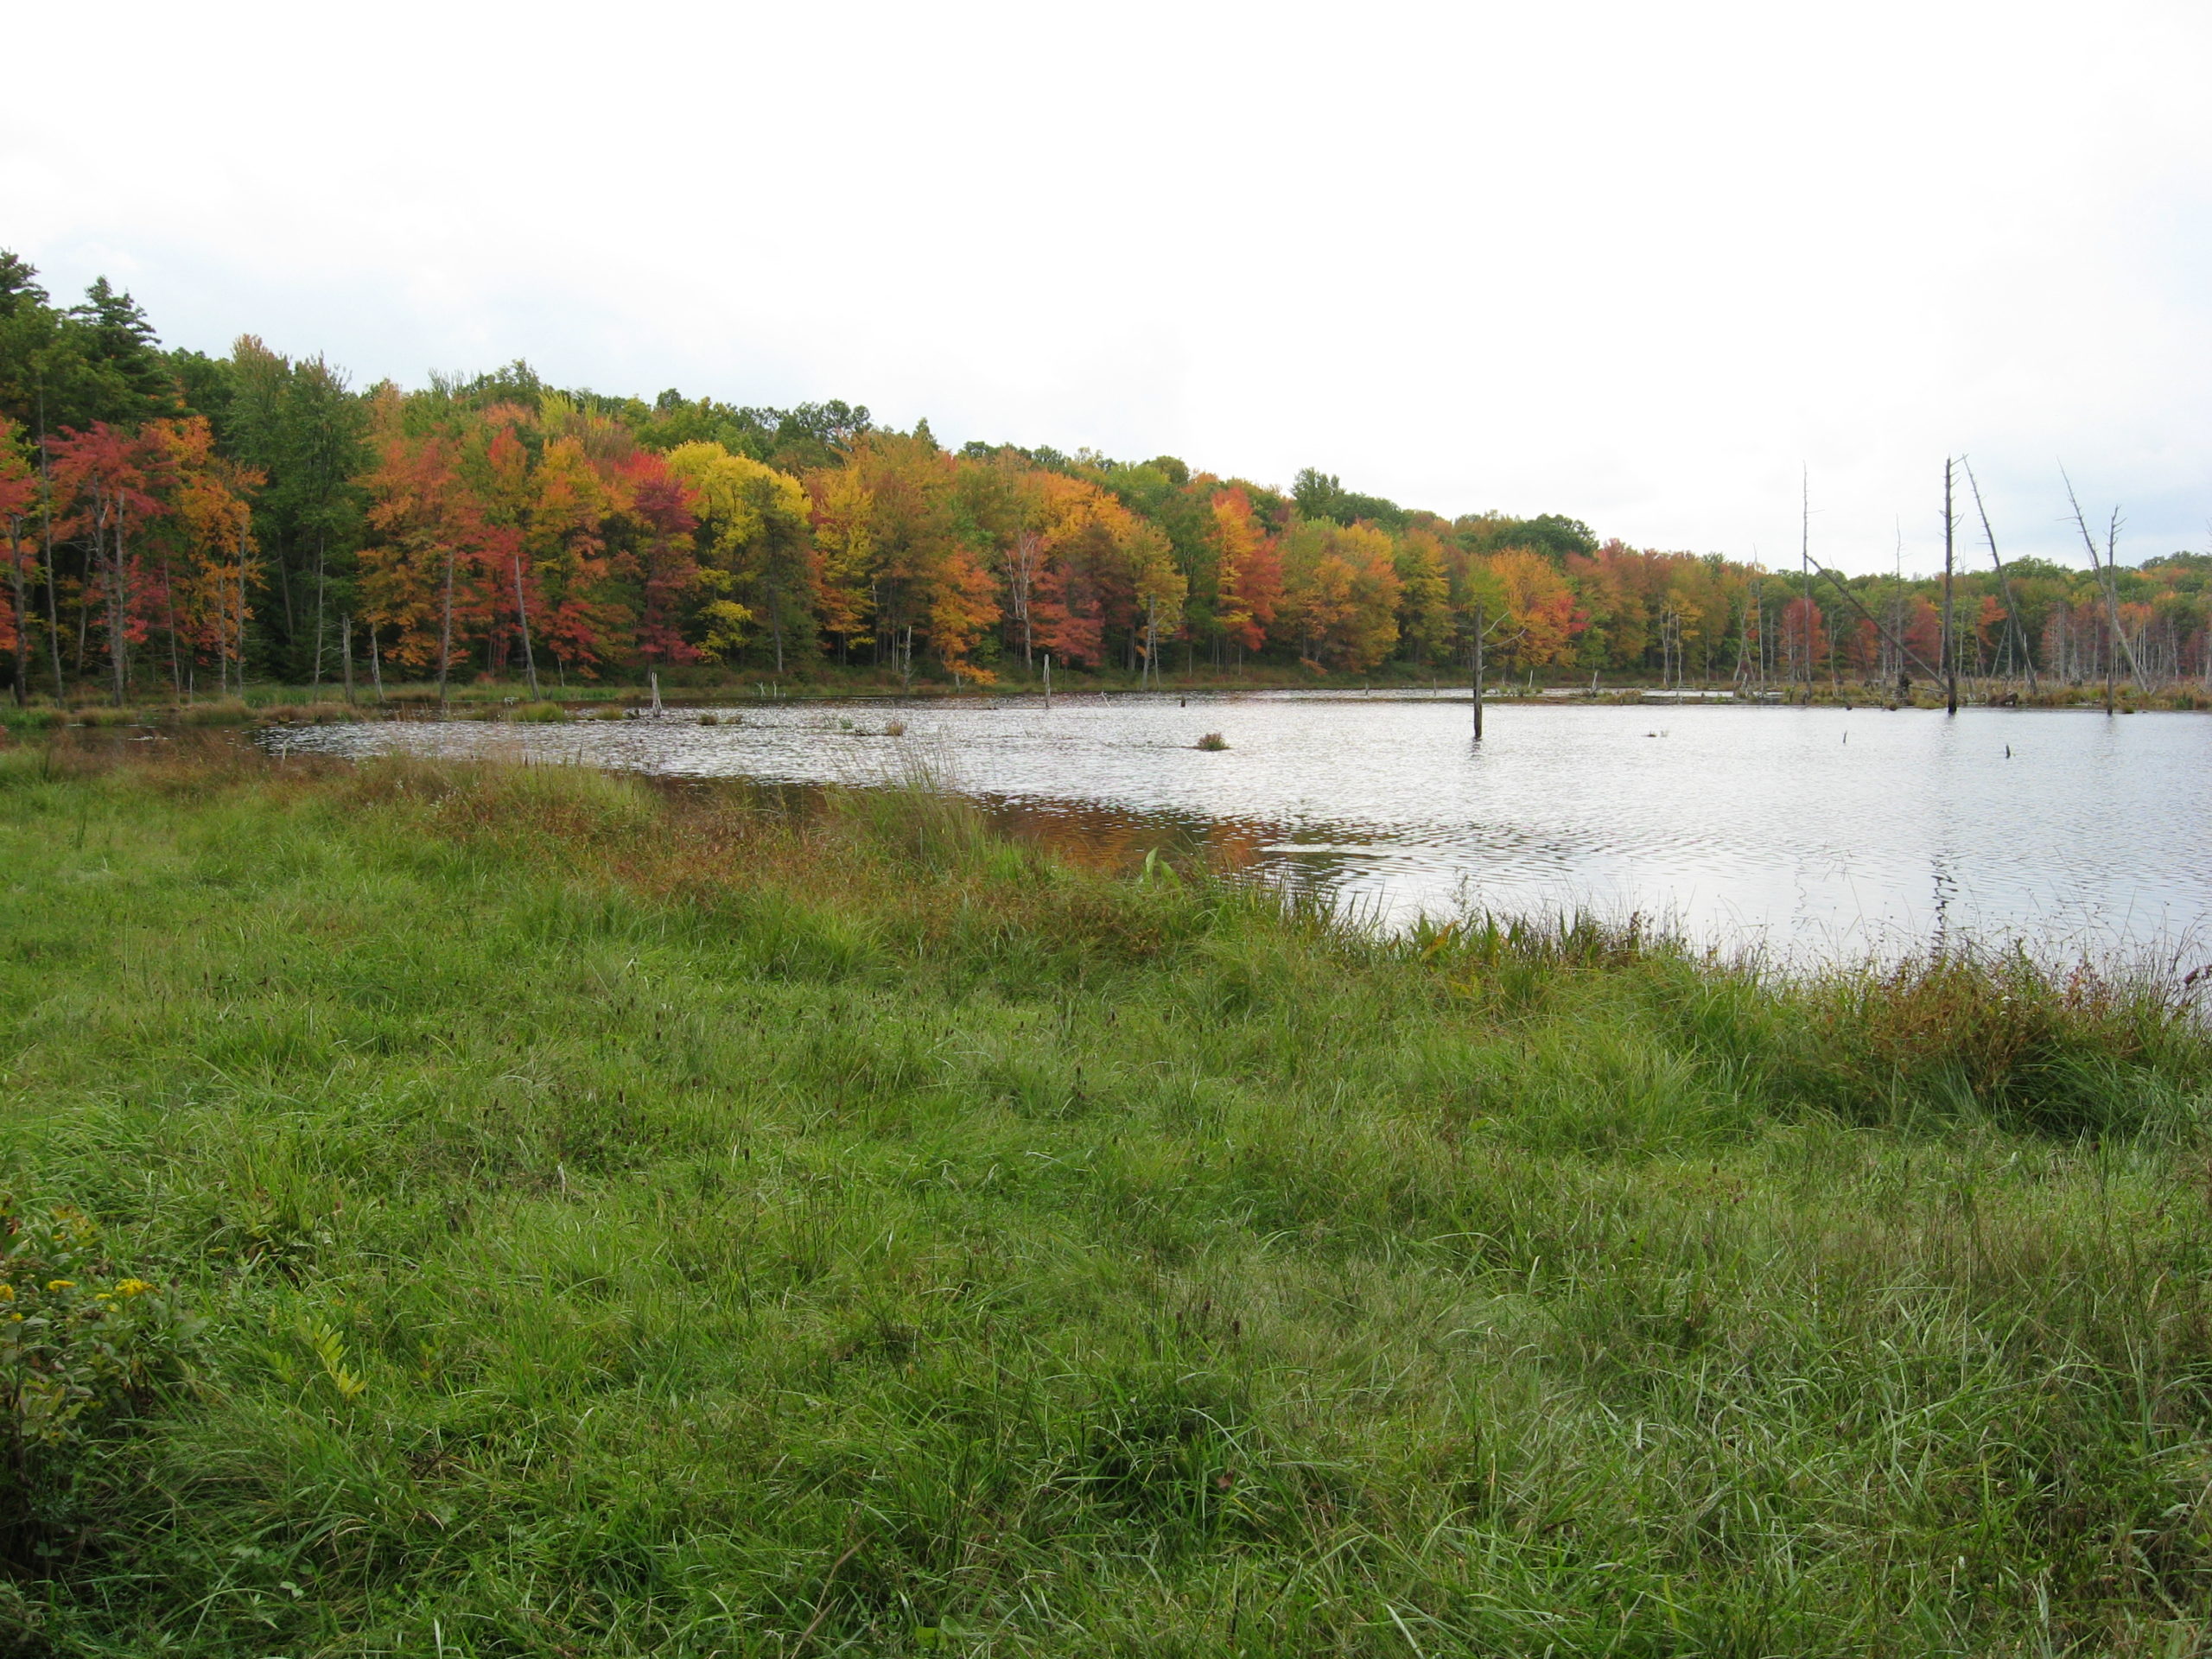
[587, 1215]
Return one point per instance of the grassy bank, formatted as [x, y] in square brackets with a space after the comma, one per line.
[538, 1214]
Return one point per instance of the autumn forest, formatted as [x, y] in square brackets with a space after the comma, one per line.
[176, 525]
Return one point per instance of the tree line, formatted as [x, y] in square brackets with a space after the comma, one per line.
[178, 522]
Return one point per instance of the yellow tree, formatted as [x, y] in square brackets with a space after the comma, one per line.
[756, 556]
[1159, 586]
[842, 505]
[1425, 592]
[1340, 594]
[1536, 608]
[1085, 569]
[899, 508]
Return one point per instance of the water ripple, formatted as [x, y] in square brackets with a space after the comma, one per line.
[1804, 829]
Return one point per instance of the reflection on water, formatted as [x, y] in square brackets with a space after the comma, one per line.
[1808, 829]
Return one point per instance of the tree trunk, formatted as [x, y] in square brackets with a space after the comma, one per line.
[53, 577]
[23, 616]
[1479, 673]
[320, 583]
[169, 604]
[241, 612]
[1805, 559]
[1950, 652]
[118, 613]
[522, 611]
[445, 633]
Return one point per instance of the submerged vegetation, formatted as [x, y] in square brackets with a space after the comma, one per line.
[523, 1211]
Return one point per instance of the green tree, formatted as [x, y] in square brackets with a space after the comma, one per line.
[303, 426]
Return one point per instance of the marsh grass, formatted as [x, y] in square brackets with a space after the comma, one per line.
[626, 1221]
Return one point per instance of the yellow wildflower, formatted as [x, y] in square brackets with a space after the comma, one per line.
[61, 1284]
[7, 1290]
[131, 1287]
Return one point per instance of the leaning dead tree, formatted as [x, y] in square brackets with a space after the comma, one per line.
[2004, 583]
[1896, 642]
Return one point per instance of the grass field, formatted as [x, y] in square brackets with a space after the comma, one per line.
[503, 1212]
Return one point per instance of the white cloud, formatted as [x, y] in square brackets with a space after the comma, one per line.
[1633, 263]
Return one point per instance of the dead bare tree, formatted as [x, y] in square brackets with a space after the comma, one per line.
[1024, 555]
[2118, 641]
[2004, 582]
[1479, 631]
[1805, 561]
[1896, 642]
[1950, 652]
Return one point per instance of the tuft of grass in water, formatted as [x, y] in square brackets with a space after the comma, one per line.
[625, 1220]
[1212, 742]
[545, 714]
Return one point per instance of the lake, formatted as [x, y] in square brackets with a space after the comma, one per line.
[1809, 832]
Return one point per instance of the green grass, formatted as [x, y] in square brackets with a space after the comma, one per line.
[618, 1222]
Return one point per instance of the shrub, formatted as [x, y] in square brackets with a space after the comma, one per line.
[1213, 742]
[83, 1347]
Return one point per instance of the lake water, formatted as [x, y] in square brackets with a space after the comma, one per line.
[1809, 831]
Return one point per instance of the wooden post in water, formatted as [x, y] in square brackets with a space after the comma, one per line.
[1479, 673]
[1048, 679]
[1949, 657]
[345, 649]
[376, 665]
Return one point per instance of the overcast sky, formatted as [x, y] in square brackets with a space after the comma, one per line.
[1634, 262]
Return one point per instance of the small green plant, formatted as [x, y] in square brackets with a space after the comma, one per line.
[82, 1350]
[894, 728]
[540, 713]
[329, 1348]
[1213, 742]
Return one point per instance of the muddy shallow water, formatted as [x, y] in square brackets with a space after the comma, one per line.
[1816, 831]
